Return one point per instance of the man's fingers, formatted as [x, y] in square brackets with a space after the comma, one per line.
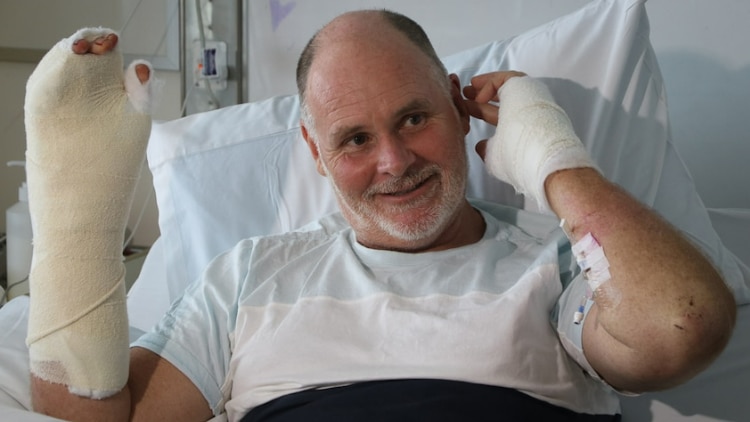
[81, 46]
[101, 45]
[483, 111]
[470, 92]
[143, 73]
[488, 91]
[484, 87]
[481, 148]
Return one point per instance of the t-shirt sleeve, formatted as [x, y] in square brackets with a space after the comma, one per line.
[195, 335]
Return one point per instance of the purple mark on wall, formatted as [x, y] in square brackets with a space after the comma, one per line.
[280, 11]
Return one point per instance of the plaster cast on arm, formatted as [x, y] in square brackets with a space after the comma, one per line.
[87, 127]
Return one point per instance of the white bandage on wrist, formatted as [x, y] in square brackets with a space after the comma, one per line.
[534, 138]
[87, 131]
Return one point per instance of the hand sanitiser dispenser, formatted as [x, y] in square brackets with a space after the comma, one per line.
[18, 227]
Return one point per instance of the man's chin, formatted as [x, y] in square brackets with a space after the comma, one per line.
[417, 228]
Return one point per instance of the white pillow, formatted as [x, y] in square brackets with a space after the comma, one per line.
[240, 171]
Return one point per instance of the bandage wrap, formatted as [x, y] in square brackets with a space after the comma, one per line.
[534, 138]
[86, 136]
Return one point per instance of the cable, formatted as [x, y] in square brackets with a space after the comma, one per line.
[127, 22]
[185, 101]
[164, 34]
[140, 216]
[12, 285]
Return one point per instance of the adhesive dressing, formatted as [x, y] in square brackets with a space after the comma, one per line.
[594, 265]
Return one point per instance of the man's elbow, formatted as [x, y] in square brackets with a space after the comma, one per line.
[689, 343]
[706, 332]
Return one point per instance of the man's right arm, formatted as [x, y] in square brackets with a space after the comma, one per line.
[156, 389]
[87, 124]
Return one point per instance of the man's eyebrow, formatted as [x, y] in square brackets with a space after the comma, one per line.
[417, 104]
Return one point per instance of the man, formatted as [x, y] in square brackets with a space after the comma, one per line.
[417, 303]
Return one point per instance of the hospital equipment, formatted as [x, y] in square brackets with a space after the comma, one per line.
[19, 248]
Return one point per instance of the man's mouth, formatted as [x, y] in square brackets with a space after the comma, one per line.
[401, 188]
[408, 190]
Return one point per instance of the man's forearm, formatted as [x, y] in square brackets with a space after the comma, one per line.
[55, 400]
[665, 313]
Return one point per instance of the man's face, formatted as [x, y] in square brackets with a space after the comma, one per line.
[388, 136]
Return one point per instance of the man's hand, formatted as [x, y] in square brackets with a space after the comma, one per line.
[481, 96]
[534, 137]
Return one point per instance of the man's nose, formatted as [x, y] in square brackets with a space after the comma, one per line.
[394, 156]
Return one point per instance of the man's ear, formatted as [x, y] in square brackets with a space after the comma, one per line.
[313, 148]
[459, 102]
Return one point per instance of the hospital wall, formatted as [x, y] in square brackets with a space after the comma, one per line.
[701, 47]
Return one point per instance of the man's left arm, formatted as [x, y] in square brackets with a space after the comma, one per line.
[664, 313]
[661, 311]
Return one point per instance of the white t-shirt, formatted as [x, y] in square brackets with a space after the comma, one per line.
[315, 309]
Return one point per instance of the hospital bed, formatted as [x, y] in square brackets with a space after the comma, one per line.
[243, 170]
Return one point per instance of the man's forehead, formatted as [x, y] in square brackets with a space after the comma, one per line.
[351, 73]
[358, 105]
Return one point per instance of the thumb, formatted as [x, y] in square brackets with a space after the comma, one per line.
[481, 148]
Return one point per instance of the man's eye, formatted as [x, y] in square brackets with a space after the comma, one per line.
[414, 120]
[357, 140]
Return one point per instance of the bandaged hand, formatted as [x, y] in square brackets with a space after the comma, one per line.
[87, 126]
[534, 137]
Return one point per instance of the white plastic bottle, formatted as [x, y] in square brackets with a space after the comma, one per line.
[19, 246]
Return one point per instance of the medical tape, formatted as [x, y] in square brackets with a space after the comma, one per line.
[590, 258]
[594, 264]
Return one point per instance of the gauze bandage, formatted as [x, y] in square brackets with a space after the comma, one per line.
[534, 138]
[87, 129]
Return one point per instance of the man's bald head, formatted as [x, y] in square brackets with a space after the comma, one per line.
[363, 25]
